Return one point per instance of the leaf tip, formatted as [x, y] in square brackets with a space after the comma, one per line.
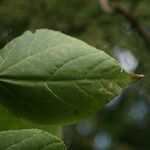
[136, 77]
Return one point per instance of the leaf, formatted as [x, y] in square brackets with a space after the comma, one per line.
[10, 122]
[50, 77]
[29, 139]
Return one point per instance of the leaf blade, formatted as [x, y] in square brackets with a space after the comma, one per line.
[29, 139]
[74, 79]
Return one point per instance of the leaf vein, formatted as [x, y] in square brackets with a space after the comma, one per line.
[69, 61]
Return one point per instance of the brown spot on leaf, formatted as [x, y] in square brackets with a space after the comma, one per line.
[76, 112]
[110, 85]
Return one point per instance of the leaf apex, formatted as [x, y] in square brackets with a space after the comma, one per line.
[137, 77]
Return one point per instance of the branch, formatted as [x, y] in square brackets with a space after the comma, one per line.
[134, 5]
[116, 8]
[106, 6]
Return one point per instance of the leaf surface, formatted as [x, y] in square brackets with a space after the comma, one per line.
[50, 77]
[29, 139]
[9, 121]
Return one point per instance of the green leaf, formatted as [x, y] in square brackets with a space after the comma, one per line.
[8, 121]
[50, 77]
[29, 139]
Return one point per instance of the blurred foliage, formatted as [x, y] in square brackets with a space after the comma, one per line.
[123, 125]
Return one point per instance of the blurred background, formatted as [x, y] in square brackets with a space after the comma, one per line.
[119, 27]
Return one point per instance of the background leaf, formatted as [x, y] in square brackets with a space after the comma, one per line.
[48, 76]
[29, 139]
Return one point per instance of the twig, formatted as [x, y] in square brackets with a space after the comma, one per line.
[114, 7]
[134, 5]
